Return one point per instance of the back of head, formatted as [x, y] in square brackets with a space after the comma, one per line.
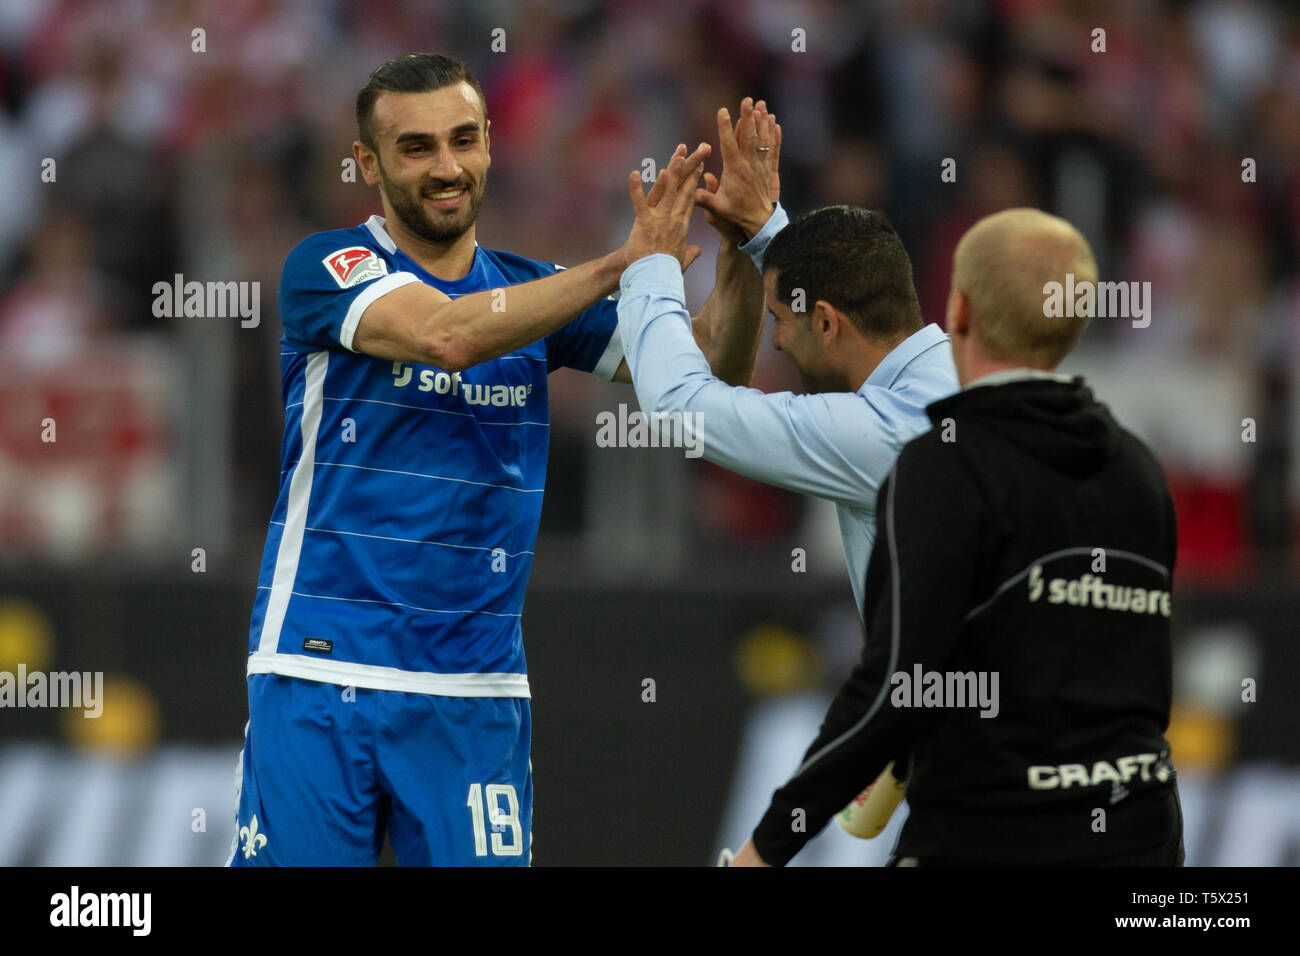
[1002, 265]
[853, 259]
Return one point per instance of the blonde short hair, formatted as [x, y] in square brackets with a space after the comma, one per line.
[1002, 264]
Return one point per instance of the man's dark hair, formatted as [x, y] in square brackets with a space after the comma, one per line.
[410, 73]
[853, 259]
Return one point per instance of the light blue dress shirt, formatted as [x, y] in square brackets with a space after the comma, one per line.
[835, 445]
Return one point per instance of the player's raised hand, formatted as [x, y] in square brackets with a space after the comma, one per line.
[663, 217]
[661, 183]
[740, 202]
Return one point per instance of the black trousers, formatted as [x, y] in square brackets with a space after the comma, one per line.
[1165, 856]
[1169, 854]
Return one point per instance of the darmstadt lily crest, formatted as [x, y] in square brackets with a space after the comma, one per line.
[253, 841]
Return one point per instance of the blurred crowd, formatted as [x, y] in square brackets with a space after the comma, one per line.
[1169, 132]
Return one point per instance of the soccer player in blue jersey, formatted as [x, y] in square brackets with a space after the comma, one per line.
[387, 684]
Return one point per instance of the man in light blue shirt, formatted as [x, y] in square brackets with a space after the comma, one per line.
[839, 285]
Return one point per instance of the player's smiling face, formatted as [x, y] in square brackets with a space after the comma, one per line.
[792, 334]
[433, 159]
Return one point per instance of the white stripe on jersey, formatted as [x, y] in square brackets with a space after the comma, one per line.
[441, 544]
[376, 289]
[375, 677]
[611, 358]
[417, 474]
[425, 408]
[286, 559]
[409, 607]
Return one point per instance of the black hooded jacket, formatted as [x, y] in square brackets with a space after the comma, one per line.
[1018, 642]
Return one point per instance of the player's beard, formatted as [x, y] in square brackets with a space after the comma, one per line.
[812, 384]
[815, 384]
[433, 225]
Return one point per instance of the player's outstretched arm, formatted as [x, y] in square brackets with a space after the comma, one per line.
[417, 323]
[830, 445]
[729, 325]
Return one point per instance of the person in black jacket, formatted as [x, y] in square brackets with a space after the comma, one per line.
[1017, 602]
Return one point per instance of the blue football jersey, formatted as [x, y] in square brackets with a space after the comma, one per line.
[402, 538]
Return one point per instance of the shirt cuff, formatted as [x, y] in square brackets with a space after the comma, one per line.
[757, 246]
[659, 272]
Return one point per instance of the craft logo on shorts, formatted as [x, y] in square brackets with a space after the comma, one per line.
[1116, 773]
[354, 265]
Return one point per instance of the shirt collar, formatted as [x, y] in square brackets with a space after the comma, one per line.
[1016, 375]
[891, 366]
[375, 226]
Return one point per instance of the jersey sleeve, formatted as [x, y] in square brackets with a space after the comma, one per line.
[326, 285]
[590, 343]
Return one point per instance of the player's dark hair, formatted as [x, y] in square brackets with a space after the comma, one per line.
[410, 73]
[853, 259]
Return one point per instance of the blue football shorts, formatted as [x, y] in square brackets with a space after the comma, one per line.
[326, 770]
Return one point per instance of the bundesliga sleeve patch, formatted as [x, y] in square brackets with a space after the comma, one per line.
[354, 265]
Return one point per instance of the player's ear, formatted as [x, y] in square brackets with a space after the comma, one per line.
[367, 161]
[825, 320]
[957, 318]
